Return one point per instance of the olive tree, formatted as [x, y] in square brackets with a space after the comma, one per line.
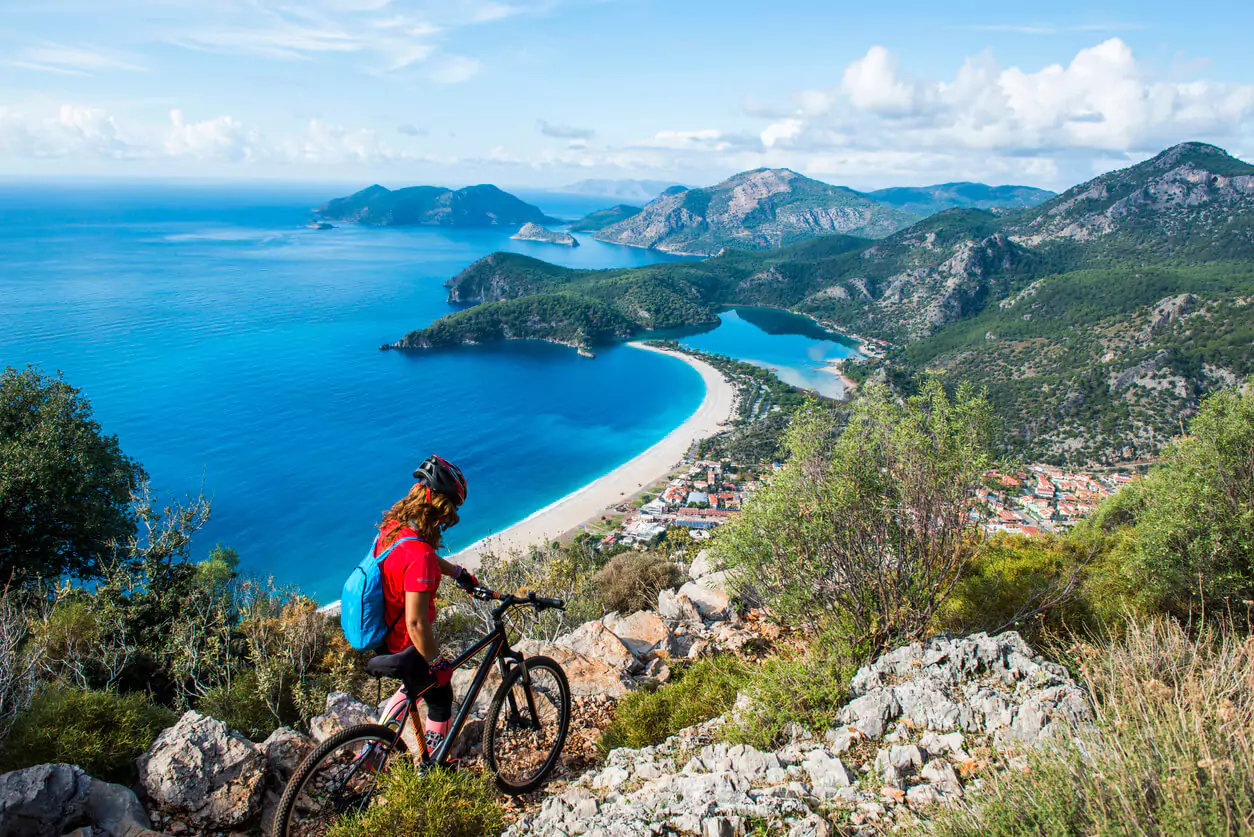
[865, 531]
[65, 486]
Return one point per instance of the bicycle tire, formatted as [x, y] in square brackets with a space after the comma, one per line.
[494, 711]
[300, 776]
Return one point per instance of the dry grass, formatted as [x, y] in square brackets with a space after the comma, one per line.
[1172, 751]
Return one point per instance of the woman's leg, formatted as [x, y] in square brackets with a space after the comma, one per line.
[439, 709]
[393, 702]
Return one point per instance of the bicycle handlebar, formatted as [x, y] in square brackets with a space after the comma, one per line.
[507, 600]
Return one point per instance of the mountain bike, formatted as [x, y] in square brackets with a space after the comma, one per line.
[524, 731]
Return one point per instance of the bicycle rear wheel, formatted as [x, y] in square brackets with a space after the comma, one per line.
[336, 779]
[525, 728]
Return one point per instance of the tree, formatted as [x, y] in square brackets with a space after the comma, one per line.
[865, 532]
[65, 487]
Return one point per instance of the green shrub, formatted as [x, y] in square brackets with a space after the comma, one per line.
[1191, 544]
[436, 803]
[632, 580]
[239, 705]
[101, 731]
[804, 688]
[1171, 752]
[696, 693]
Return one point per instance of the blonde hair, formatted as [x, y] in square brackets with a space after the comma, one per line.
[425, 511]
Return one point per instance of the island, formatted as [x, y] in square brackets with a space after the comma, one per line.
[320, 225]
[474, 206]
[535, 232]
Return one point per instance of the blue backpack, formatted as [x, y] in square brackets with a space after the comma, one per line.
[361, 602]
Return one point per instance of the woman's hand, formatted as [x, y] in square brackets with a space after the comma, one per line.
[465, 580]
[443, 670]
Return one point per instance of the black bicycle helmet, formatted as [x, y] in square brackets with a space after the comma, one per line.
[442, 476]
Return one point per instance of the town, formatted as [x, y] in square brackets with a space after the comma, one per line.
[705, 494]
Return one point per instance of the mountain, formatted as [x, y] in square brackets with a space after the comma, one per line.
[474, 206]
[1097, 320]
[623, 190]
[753, 210]
[602, 218]
[928, 200]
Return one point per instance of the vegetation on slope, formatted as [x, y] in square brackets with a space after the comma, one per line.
[602, 218]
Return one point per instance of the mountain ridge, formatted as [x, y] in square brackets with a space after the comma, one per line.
[928, 200]
[753, 210]
[483, 205]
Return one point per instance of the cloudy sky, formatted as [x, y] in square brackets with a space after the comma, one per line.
[545, 92]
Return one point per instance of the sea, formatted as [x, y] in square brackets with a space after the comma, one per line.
[234, 352]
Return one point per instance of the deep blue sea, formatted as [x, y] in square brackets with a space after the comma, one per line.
[234, 351]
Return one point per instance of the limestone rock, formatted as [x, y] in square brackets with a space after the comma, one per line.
[284, 750]
[204, 772]
[588, 676]
[711, 604]
[594, 640]
[48, 799]
[702, 565]
[677, 607]
[642, 632]
[342, 711]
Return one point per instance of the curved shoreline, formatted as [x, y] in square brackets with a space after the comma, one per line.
[591, 500]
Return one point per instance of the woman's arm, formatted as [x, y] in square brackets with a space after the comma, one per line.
[448, 568]
[421, 633]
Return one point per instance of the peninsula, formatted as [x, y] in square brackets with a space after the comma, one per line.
[535, 232]
[474, 206]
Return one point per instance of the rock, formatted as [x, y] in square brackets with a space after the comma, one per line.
[342, 711]
[841, 739]
[588, 677]
[284, 750]
[204, 772]
[942, 775]
[718, 581]
[826, 769]
[702, 565]
[594, 640]
[677, 607]
[922, 796]
[116, 811]
[711, 604]
[642, 632]
[47, 799]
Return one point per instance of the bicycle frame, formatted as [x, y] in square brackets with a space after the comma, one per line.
[499, 651]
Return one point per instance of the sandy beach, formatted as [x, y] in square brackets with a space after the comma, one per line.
[590, 501]
[835, 368]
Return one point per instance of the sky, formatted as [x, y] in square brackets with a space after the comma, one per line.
[542, 93]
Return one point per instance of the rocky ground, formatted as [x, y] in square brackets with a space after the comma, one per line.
[923, 723]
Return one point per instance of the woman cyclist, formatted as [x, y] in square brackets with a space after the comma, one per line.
[410, 534]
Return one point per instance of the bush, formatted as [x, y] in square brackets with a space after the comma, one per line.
[435, 803]
[804, 688]
[1190, 547]
[696, 693]
[563, 571]
[1172, 750]
[101, 731]
[865, 531]
[239, 705]
[632, 580]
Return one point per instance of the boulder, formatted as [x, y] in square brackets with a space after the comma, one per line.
[588, 676]
[342, 711]
[116, 811]
[677, 607]
[48, 799]
[203, 772]
[284, 750]
[711, 604]
[642, 632]
[594, 640]
[702, 565]
[719, 581]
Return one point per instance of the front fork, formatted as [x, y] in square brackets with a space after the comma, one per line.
[514, 716]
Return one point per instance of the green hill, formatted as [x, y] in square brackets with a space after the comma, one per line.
[473, 206]
[928, 200]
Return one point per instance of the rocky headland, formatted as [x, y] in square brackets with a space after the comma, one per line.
[535, 232]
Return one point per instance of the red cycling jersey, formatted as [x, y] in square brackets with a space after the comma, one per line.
[411, 567]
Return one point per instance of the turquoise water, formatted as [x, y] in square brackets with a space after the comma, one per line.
[232, 350]
[793, 347]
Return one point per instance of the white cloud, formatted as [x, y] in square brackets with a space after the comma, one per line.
[70, 131]
[64, 59]
[220, 138]
[872, 83]
[707, 139]
[558, 130]
[327, 143]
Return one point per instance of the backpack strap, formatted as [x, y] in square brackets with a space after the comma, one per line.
[380, 558]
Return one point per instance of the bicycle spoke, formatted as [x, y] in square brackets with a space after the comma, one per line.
[343, 783]
[528, 728]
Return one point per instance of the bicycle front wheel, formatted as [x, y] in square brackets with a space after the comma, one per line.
[525, 728]
[337, 779]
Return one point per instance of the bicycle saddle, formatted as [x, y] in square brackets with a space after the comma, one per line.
[407, 665]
